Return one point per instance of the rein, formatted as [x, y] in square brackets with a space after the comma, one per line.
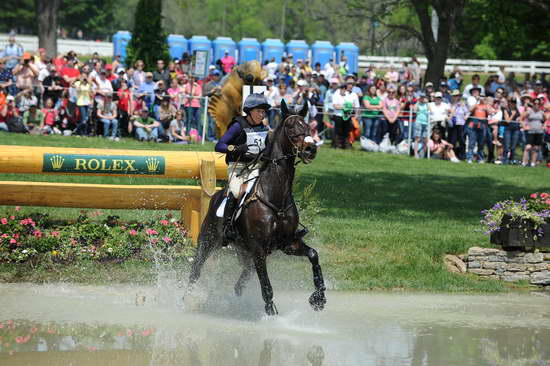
[295, 148]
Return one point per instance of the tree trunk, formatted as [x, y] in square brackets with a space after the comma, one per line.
[46, 16]
[436, 51]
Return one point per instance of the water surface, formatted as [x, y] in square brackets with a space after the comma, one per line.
[61, 324]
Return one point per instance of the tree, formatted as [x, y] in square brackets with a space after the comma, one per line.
[436, 48]
[436, 45]
[46, 14]
[148, 38]
[505, 29]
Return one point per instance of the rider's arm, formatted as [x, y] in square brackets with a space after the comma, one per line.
[232, 132]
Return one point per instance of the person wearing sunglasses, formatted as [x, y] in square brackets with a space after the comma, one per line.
[533, 118]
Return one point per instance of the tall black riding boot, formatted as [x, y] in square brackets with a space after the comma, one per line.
[229, 231]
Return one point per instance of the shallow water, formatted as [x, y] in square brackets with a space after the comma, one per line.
[65, 324]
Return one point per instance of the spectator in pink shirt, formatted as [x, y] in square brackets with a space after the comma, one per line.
[192, 103]
[227, 63]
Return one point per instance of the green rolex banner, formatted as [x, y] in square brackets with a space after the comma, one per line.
[103, 164]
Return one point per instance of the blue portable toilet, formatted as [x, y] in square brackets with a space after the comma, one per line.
[177, 45]
[200, 43]
[120, 42]
[222, 44]
[322, 52]
[299, 50]
[249, 50]
[351, 51]
[272, 48]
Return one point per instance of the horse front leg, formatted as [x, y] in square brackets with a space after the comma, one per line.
[317, 300]
[265, 284]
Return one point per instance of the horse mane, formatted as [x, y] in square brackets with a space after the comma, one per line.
[226, 103]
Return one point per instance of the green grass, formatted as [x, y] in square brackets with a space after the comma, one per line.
[385, 221]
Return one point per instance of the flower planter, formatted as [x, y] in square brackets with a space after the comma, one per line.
[515, 234]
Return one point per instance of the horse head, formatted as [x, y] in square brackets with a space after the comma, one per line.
[297, 133]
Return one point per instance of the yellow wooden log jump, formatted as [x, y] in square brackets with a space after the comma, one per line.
[192, 200]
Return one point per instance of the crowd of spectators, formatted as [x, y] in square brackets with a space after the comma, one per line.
[64, 95]
[449, 120]
[475, 122]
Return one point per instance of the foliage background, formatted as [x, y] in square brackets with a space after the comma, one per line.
[504, 29]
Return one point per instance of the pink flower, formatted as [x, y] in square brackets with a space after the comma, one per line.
[5, 236]
[129, 333]
[16, 236]
[132, 232]
[92, 348]
[146, 332]
[154, 241]
[164, 222]
[12, 217]
[19, 339]
[548, 202]
[544, 195]
[73, 241]
[17, 208]
[37, 233]
[4, 221]
[13, 241]
[533, 195]
[151, 232]
[167, 239]
[55, 234]
[34, 330]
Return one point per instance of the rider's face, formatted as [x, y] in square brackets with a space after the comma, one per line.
[257, 115]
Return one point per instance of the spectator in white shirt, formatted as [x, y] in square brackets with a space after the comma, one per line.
[439, 112]
[102, 87]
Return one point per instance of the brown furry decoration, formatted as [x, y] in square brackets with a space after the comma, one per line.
[226, 103]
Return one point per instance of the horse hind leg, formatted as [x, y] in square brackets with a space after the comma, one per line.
[317, 300]
[247, 264]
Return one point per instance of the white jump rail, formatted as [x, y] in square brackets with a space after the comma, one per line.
[485, 66]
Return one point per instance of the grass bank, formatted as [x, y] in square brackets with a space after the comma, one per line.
[379, 221]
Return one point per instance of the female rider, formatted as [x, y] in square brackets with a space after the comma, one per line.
[243, 140]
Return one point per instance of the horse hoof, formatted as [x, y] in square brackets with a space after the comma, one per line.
[271, 309]
[318, 300]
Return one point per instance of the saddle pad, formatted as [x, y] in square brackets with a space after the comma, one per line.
[221, 207]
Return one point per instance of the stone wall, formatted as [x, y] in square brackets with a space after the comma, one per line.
[509, 266]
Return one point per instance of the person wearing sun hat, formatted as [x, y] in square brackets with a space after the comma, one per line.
[459, 114]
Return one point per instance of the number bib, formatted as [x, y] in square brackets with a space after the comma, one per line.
[256, 141]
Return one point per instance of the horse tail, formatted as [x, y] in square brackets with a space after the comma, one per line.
[226, 103]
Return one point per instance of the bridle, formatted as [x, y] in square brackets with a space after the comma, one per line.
[296, 150]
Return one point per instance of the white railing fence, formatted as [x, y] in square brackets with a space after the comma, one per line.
[30, 43]
[485, 66]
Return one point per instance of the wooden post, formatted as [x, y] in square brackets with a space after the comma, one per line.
[208, 185]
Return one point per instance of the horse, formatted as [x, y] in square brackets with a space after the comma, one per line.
[269, 219]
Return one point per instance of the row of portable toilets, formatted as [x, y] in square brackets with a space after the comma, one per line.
[249, 49]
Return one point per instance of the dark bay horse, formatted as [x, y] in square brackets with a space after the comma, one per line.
[269, 220]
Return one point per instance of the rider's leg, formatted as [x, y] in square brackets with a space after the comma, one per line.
[230, 206]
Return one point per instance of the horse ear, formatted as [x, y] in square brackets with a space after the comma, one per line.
[284, 109]
[304, 110]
